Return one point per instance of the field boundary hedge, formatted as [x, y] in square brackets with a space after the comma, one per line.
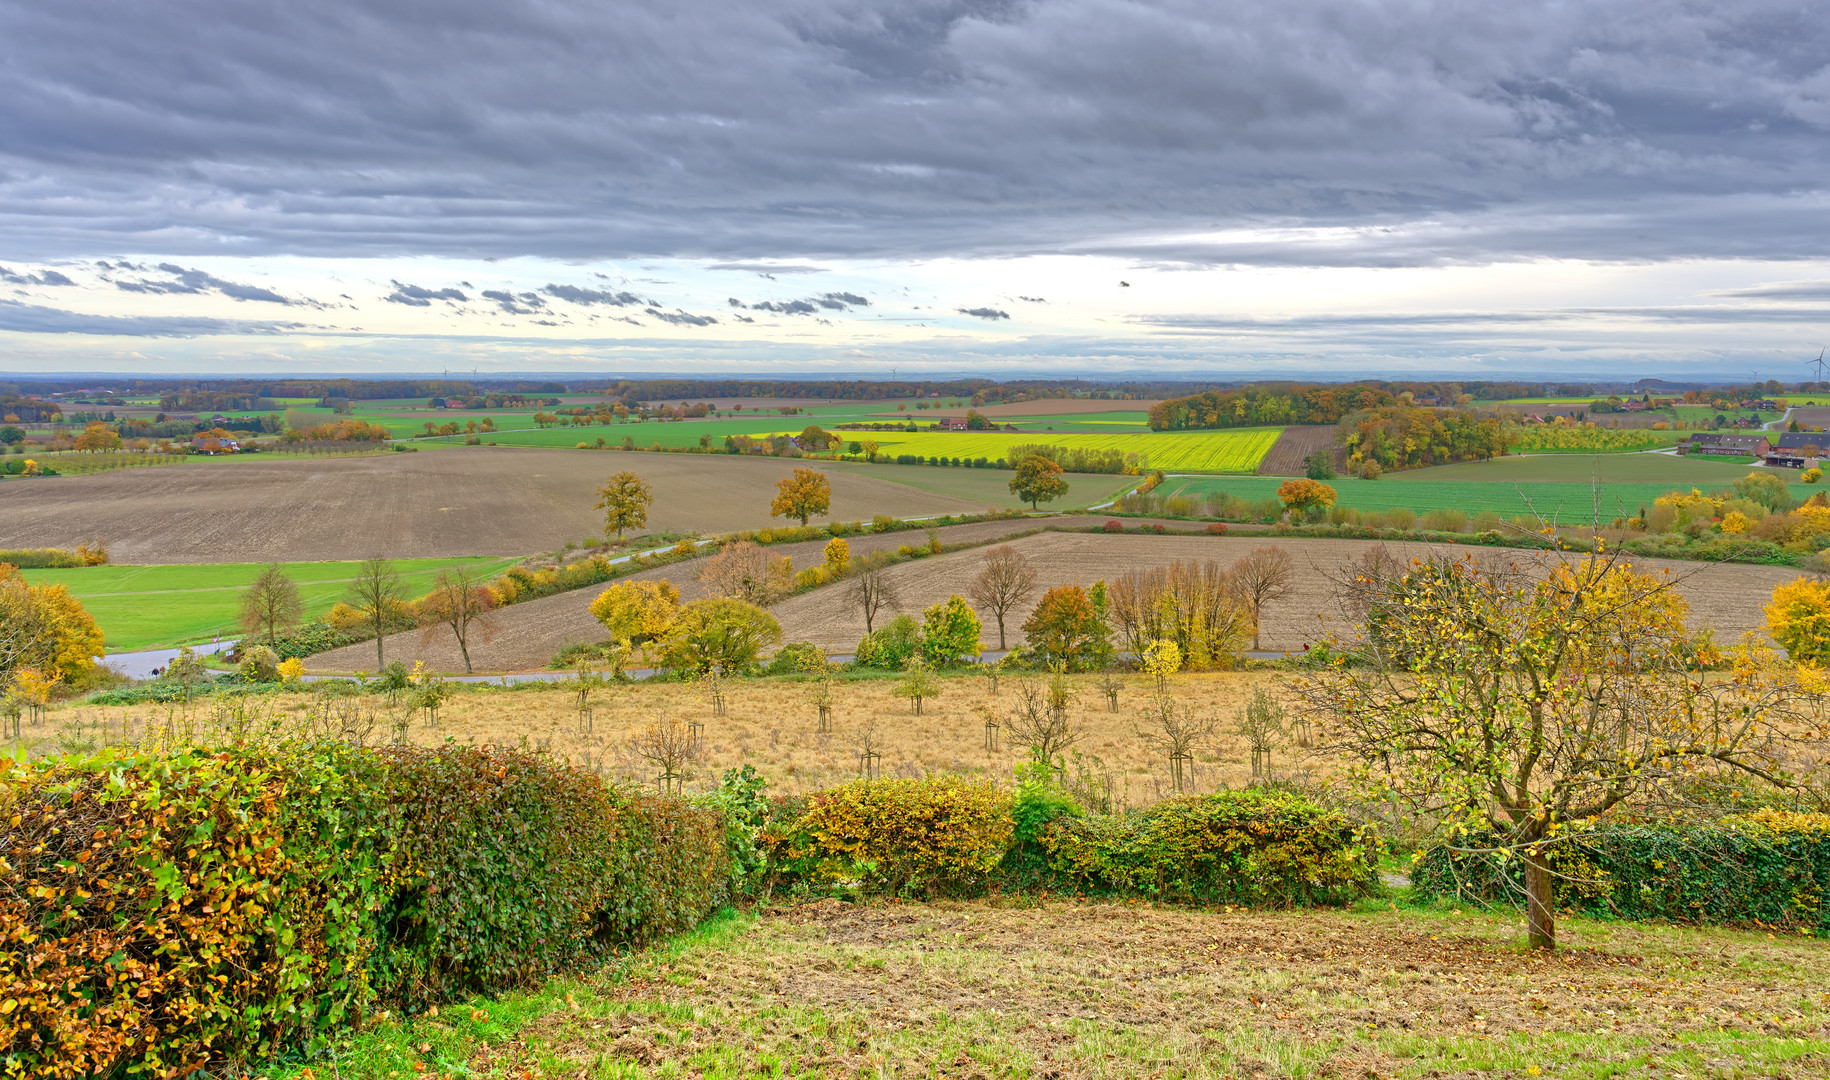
[1769, 869]
[173, 912]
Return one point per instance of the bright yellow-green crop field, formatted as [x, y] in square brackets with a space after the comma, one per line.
[1238, 450]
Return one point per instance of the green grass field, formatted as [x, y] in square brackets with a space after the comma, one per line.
[147, 607]
[1554, 486]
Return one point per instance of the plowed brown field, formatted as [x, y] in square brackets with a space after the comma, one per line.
[437, 503]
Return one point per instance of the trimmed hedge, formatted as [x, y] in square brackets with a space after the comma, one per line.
[171, 913]
[950, 834]
[1769, 869]
[1237, 847]
[937, 833]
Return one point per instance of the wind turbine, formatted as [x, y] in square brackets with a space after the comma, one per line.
[1819, 364]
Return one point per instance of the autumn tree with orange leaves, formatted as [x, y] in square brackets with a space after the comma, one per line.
[805, 494]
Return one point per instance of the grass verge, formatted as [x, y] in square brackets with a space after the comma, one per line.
[1054, 989]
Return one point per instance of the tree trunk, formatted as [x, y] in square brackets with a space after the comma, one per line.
[378, 663]
[464, 648]
[1540, 927]
[1000, 632]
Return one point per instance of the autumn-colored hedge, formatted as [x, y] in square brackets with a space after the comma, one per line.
[929, 834]
[164, 913]
[1769, 869]
[1244, 847]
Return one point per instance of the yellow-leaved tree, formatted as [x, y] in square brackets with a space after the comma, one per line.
[1798, 618]
[637, 612]
[1520, 702]
[807, 493]
[45, 629]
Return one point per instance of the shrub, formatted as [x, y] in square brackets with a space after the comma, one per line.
[890, 647]
[312, 637]
[938, 833]
[1250, 847]
[1113, 525]
[259, 664]
[210, 908]
[55, 558]
[1769, 868]
[796, 657]
[1811, 475]
[1218, 528]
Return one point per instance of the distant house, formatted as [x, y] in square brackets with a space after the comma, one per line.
[219, 421]
[952, 423]
[1796, 449]
[1723, 444]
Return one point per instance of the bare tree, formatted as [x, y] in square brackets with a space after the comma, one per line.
[379, 595]
[871, 589]
[1173, 729]
[1261, 577]
[1006, 580]
[670, 745]
[459, 602]
[1261, 723]
[1361, 581]
[270, 604]
[1048, 732]
[746, 572]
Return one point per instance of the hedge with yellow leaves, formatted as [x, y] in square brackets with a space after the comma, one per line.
[163, 914]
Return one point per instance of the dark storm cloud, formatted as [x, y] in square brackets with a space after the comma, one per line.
[984, 313]
[183, 281]
[577, 295]
[414, 296]
[35, 319]
[799, 129]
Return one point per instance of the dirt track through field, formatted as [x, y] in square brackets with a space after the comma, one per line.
[435, 503]
[1725, 597]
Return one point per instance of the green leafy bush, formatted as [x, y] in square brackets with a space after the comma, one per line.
[1244, 847]
[310, 638]
[1768, 868]
[889, 647]
[937, 833]
[795, 657]
[206, 908]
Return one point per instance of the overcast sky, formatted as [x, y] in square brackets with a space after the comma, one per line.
[1340, 188]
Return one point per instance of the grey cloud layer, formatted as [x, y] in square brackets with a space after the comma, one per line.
[1429, 131]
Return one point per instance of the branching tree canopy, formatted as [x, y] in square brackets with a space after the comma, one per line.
[1518, 703]
[637, 611]
[44, 629]
[723, 633]
[747, 571]
[461, 603]
[377, 592]
[805, 494]
[1005, 580]
[1037, 480]
[872, 589]
[624, 499]
[270, 604]
[1260, 577]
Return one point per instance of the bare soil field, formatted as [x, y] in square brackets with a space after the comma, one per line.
[436, 503]
[1723, 596]
[1726, 597]
[1292, 449]
[771, 724]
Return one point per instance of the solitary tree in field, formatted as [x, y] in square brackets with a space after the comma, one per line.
[805, 494]
[270, 604]
[1261, 577]
[624, 499]
[1065, 628]
[1004, 582]
[1035, 723]
[1302, 496]
[460, 603]
[1175, 730]
[872, 589]
[376, 592]
[1038, 480]
[1518, 704]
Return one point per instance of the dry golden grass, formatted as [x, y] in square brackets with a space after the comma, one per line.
[769, 724]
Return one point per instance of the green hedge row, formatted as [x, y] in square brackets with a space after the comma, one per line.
[945, 834]
[1769, 869]
[171, 913]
